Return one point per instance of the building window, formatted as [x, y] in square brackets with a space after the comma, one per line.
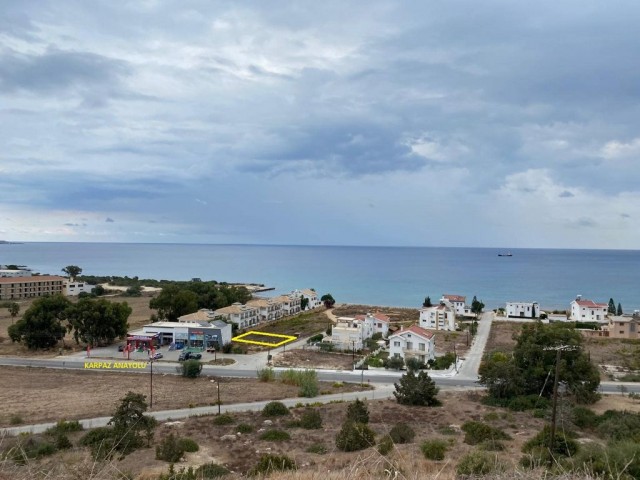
[421, 347]
[396, 344]
[409, 346]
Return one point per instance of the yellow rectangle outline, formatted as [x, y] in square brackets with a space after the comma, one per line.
[287, 338]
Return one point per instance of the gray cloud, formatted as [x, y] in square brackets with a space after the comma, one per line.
[566, 194]
[109, 220]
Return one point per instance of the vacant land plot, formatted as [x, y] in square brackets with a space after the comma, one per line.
[312, 358]
[55, 394]
[501, 336]
[302, 325]
[404, 316]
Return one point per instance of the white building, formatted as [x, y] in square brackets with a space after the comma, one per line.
[242, 315]
[522, 310]
[268, 308]
[379, 321]
[76, 288]
[314, 299]
[350, 333]
[412, 342]
[15, 273]
[290, 303]
[458, 303]
[438, 317]
[588, 311]
[190, 334]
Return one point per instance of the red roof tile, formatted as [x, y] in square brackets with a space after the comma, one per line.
[31, 279]
[455, 298]
[421, 332]
[591, 304]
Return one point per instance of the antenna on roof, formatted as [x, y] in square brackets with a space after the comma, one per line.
[578, 297]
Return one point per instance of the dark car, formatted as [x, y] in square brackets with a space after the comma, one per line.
[189, 356]
[121, 348]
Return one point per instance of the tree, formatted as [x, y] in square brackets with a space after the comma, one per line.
[612, 307]
[619, 311]
[527, 371]
[130, 423]
[416, 390]
[98, 322]
[73, 271]
[354, 436]
[358, 412]
[14, 309]
[476, 306]
[328, 300]
[304, 303]
[173, 302]
[427, 302]
[191, 368]
[41, 325]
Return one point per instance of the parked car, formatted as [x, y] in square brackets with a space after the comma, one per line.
[121, 348]
[189, 356]
[157, 356]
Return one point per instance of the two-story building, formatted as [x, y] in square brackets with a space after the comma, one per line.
[312, 296]
[72, 289]
[350, 333]
[290, 303]
[242, 315]
[413, 342]
[458, 302]
[583, 310]
[438, 317]
[268, 308]
[522, 310]
[379, 321]
[624, 326]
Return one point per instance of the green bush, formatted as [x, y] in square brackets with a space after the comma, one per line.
[275, 409]
[527, 402]
[317, 448]
[385, 445]
[311, 419]
[266, 374]
[414, 364]
[275, 436]
[479, 463]
[617, 426]
[582, 417]
[169, 449]
[402, 433]
[96, 436]
[563, 445]
[63, 442]
[434, 449]
[394, 363]
[491, 445]
[316, 338]
[307, 380]
[223, 419]
[443, 362]
[477, 432]
[16, 420]
[358, 412]
[210, 470]
[63, 427]
[269, 463]
[354, 436]
[190, 368]
[188, 445]
[619, 460]
[244, 428]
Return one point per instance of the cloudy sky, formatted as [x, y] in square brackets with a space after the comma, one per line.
[462, 123]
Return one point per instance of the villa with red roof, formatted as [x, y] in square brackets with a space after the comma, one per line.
[413, 342]
[583, 310]
[458, 302]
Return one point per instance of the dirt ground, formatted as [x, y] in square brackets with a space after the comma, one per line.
[404, 316]
[444, 422]
[501, 336]
[56, 394]
[140, 316]
[312, 358]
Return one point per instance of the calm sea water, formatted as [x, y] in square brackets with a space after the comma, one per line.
[396, 276]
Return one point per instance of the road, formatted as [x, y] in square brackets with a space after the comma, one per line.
[471, 364]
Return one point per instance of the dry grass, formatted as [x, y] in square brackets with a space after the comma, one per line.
[501, 336]
[70, 394]
[240, 455]
[404, 316]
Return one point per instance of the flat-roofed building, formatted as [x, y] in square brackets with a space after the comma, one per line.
[16, 288]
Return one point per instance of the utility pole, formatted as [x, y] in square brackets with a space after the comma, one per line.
[556, 379]
[151, 383]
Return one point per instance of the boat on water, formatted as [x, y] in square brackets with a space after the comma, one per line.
[508, 254]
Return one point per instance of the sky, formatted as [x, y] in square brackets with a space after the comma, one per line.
[459, 123]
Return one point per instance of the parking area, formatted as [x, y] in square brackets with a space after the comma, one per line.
[167, 355]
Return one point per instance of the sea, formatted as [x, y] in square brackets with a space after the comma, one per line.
[389, 276]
